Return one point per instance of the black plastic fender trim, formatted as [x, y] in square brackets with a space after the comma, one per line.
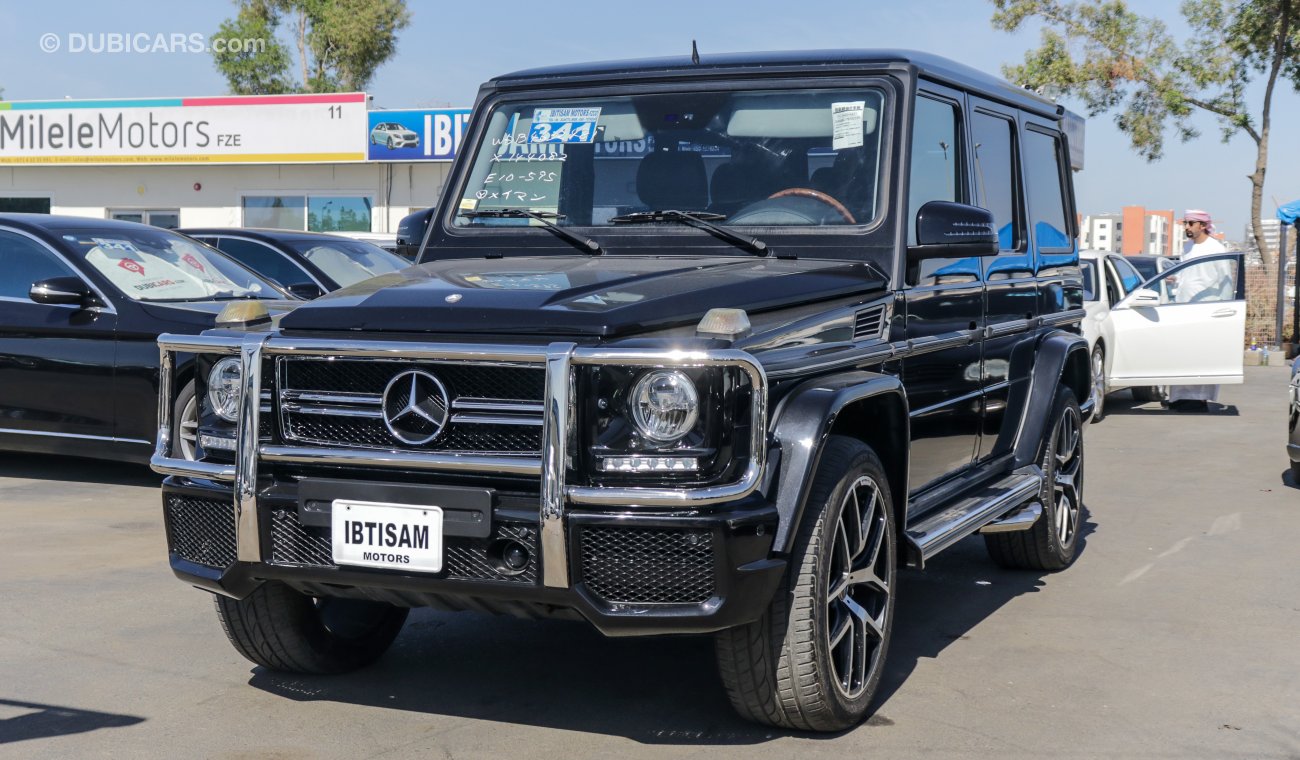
[802, 423]
[1052, 361]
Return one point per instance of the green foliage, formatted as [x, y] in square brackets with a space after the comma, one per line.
[340, 44]
[1112, 59]
[253, 72]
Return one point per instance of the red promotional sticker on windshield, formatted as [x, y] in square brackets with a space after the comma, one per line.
[131, 266]
[189, 259]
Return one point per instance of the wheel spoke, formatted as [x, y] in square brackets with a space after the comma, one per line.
[868, 577]
[871, 626]
[843, 625]
[851, 520]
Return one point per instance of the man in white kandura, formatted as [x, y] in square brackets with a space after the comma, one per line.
[1197, 284]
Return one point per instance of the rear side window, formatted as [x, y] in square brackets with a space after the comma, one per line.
[995, 176]
[264, 260]
[25, 262]
[936, 164]
[1043, 175]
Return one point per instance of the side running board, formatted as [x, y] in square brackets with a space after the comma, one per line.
[1008, 498]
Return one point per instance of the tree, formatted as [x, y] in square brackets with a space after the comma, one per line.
[340, 44]
[1112, 58]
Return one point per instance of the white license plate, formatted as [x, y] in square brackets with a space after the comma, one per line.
[391, 536]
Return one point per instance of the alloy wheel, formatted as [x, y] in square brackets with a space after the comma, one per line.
[187, 430]
[1067, 475]
[859, 586]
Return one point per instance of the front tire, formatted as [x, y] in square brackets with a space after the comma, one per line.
[814, 659]
[185, 428]
[1052, 541]
[281, 629]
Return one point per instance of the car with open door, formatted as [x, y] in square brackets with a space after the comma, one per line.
[1185, 326]
[82, 302]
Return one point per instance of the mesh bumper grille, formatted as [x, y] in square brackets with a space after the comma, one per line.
[648, 565]
[201, 531]
[296, 545]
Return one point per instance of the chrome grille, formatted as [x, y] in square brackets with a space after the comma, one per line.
[339, 402]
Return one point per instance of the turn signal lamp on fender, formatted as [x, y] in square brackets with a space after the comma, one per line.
[243, 314]
[728, 324]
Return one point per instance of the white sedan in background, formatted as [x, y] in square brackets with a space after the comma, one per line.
[1143, 335]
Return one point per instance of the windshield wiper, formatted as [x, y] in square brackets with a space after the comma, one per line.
[545, 217]
[702, 219]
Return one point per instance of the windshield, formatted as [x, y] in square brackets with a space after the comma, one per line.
[157, 265]
[346, 261]
[758, 158]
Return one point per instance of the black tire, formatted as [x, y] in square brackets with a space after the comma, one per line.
[390, 143]
[1052, 542]
[1098, 382]
[1295, 473]
[800, 666]
[281, 629]
[1148, 393]
[185, 423]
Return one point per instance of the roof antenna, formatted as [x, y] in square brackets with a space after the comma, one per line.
[695, 54]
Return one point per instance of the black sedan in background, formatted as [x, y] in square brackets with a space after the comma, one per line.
[306, 263]
[82, 302]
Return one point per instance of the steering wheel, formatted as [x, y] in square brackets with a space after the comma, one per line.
[817, 195]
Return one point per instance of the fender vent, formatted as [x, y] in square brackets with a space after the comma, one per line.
[868, 323]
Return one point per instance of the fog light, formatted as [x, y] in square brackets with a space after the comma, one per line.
[217, 443]
[650, 464]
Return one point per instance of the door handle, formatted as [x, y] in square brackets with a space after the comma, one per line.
[1224, 313]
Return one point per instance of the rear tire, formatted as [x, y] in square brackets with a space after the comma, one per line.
[1052, 541]
[281, 629]
[814, 659]
[1098, 383]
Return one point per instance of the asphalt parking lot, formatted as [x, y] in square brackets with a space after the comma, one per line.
[1174, 635]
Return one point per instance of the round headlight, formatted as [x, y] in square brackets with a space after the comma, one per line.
[664, 405]
[223, 388]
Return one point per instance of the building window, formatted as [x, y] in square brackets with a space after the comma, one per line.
[25, 205]
[167, 218]
[317, 213]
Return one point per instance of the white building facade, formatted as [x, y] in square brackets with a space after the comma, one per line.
[311, 162]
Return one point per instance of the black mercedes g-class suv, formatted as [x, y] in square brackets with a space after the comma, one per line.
[705, 345]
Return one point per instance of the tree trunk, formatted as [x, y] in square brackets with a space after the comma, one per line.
[302, 48]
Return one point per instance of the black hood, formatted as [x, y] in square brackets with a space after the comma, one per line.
[588, 296]
[204, 313]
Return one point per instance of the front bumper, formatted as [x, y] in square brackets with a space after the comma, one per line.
[632, 572]
[632, 560]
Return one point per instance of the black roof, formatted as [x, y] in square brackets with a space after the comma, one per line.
[263, 233]
[61, 222]
[936, 67]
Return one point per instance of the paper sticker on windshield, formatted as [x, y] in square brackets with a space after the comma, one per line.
[846, 124]
[113, 244]
[131, 265]
[563, 125]
[189, 259]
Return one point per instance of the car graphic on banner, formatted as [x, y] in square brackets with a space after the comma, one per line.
[416, 135]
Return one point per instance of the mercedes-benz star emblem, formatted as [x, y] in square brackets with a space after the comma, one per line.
[415, 407]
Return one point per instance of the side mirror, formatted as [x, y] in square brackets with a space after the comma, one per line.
[946, 230]
[63, 291]
[305, 290]
[1144, 297]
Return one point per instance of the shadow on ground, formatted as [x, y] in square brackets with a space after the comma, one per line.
[45, 721]
[76, 470]
[1121, 403]
[659, 691]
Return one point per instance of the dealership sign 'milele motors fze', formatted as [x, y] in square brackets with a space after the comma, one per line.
[226, 130]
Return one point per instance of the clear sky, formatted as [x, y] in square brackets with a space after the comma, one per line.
[450, 48]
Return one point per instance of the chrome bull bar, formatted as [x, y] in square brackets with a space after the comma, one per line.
[558, 361]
